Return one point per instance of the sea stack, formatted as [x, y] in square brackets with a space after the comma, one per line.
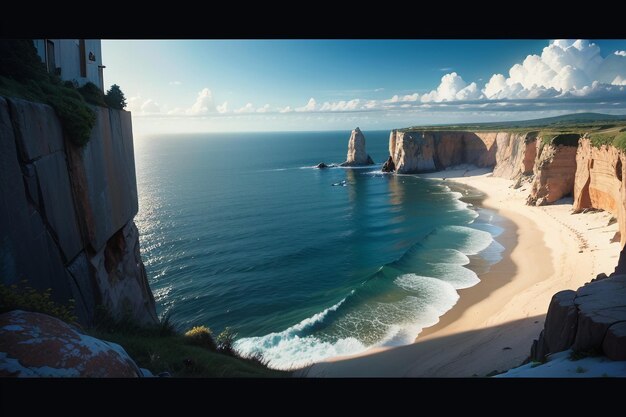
[357, 155]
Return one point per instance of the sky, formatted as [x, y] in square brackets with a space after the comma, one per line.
[190, 86]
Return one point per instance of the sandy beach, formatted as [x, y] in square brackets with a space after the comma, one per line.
[492, 326]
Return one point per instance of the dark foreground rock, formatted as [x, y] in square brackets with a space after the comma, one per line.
[591, 319]
[38, 345]
[321, 165]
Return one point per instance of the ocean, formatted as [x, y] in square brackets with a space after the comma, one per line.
[240, 230]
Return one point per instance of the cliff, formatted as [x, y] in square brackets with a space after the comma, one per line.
[423, 151]
[66, 215]
[598, 181]
[357, 155]
[554, 169]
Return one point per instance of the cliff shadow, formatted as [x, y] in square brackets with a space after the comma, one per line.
[477, 151]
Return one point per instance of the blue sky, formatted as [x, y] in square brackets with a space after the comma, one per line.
[236, 85]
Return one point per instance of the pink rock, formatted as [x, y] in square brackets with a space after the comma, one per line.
[38, 345]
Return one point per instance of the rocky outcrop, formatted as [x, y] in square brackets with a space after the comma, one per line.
[357, 155]
[38, 345]
[389, 166]
[589, 320]
[598, 183]
[66, 214]
[554, 173]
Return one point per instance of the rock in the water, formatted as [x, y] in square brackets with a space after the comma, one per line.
[389, 166]
[357, 154]
[321, 165]
[38, 345]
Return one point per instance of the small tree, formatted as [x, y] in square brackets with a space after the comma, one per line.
[115, 98]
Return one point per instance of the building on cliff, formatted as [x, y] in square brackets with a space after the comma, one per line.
[76, 60]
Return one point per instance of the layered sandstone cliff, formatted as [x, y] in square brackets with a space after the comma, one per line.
[599, 181]
[66, 214]
[511, 154]
[554, 172]
[357, 155]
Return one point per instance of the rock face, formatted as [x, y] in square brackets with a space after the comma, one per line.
[389, 166]
[357, 155]
[38, 345]
[515, 154]
[424, 151]
[590, 319]
[555, 172]
[598, 183]
[66, 214]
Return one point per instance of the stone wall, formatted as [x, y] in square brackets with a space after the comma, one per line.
[66, 214]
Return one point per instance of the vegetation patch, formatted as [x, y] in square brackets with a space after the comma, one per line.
[560, 138]
[201, 336]
[195, 353]
[23, 297]
[23, 75]
[615, 138]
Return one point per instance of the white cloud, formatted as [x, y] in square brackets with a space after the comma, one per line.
[222, 108]
[310, 106]
[248, 108]
[564, 66]
[287, 109]
[175, 82]
[263, 109]
[203, 105]
[378, 90]
[341, 105]
[452, 88]
[141, 107]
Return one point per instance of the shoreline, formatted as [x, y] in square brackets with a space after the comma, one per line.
[492, 326]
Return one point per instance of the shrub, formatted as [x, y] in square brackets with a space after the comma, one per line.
[92, 94]
[201, 336]
[76, 117]
[24, 297]
[19, 60]
[115, 98]
[225, 341]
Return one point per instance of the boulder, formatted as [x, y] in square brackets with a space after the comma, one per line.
[389, 166]
[614, 344]
[600, 305]
[592, 319]
[357, 155]
[38, 345]
[321, 165]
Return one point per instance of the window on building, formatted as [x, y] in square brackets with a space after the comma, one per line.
[50, 61]
[83, 58]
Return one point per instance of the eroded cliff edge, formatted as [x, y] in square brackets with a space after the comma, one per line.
[66, 216]
[555, 164]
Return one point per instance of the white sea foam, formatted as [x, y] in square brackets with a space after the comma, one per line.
[287, 349]
[456, 275]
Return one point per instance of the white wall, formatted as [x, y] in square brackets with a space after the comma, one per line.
[67, 57]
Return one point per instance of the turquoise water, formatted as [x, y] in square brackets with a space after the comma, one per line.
[239, 230]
